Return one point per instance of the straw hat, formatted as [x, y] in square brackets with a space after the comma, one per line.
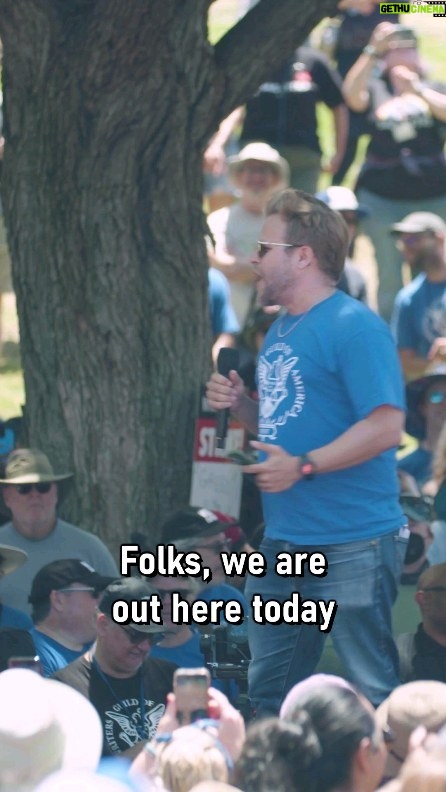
[11, 559]
[260, 152]
[30, 466]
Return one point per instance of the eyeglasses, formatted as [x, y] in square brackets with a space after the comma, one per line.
[92, 590]
[217, 547]
[256, 168]
[410, 239]
[42, 487]
[264, 247]
[434, 588]
[351, 218]
[137, 637]
[164, 593]
[436, 397]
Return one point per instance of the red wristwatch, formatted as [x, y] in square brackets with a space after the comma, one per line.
[307, 467]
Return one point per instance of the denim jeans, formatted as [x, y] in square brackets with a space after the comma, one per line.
[363, 578]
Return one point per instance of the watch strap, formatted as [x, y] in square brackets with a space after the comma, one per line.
[307, 467]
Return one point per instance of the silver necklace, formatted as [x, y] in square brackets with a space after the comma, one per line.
[280, 333]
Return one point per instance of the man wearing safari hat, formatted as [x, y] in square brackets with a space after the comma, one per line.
[257, 172]
[30, 491]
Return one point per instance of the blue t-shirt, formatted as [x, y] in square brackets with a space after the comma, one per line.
[419, 315]
[187, 655]
[54, 655]
[223, 591]
[11, 617]
[223, 318]
[318, 374]
[418, 464]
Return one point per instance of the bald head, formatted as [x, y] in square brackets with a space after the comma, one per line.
[432, 576]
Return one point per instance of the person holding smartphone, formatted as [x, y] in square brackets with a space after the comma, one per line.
[405, 166]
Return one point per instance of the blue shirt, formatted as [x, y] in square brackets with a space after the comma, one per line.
[186, 655]
[11, 617]
[419, 315]
[54, 655]
[223, 591]
[223, 318]
[318, 375]
[418, 464]
[189, 655]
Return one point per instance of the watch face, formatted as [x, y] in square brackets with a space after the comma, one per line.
[307, 469]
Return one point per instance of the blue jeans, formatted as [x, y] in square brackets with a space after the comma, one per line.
[363, 578]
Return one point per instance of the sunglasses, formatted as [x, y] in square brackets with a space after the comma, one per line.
[264, 247]
[351, 218]
[410, 239]
[436, 397]
[165, 593]
[43, 487]
[217, 547]
[435, 588]
[93, 592]
[137, 637]
[256, 168]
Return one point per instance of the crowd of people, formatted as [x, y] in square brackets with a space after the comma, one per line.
[352, 529]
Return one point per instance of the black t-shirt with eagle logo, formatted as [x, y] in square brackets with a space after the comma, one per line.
[118, 701]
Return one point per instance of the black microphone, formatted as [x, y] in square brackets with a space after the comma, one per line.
[228, 359]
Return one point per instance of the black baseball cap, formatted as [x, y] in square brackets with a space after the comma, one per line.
[62, 573]
[192, 523]
[131, 589]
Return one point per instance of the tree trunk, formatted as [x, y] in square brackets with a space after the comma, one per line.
[108, 105]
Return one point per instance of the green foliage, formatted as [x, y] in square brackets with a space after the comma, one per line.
[221, 16]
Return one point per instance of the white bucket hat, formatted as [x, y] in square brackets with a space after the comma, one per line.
[260, 152]
[44, 726]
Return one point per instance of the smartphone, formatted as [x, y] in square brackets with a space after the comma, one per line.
[32, 663]
[190, 686]
[242, 457]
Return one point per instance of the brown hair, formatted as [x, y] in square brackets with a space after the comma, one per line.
[311, 222]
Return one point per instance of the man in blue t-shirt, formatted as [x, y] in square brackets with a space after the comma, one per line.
[329, 418]
[64, 598]
[419, 315]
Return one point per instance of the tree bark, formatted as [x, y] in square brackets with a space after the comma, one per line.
[108, 105]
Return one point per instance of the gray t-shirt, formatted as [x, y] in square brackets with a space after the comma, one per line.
[65, 541]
